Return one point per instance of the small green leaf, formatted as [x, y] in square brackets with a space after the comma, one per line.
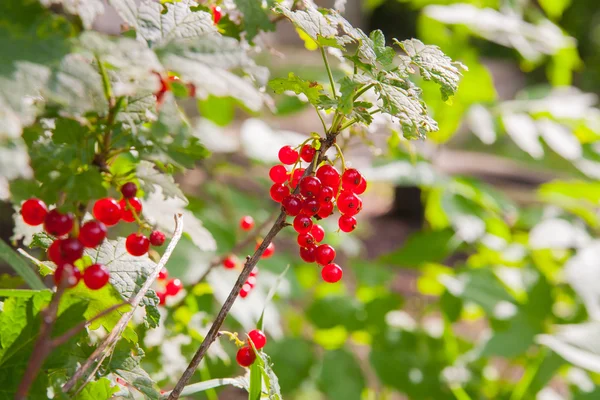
[256, 18]
[101, 389]
[20, 266]
[220, 110]
[125, 362]
[255, 390]
[312, 90]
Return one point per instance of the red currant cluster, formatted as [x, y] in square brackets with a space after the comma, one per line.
[71, 238]
[217, 13]
[246, 356]
[170, 287]
[318, 195]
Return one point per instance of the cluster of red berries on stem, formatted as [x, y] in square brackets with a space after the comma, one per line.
[316, 199]
[246, 356]
[170, 287]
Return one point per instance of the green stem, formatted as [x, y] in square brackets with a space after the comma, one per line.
[355, 120]
[322, 121]
[532, 369]
[328, 71]
[363, 90]
[459, 392]
[105, 83]
[341, 154]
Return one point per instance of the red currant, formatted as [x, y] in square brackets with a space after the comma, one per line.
[173, 287]
[325, 254]
[92, 233]
[311, 206]
[317, 232]
[230, 262]
[347, 223]
[54, 253]
[157, 238]
[278, 173]
[217, 13]
[127, 205]
[292, 205]
[305, 239]
[247, 223]
[96, 276]
[69, 272]
[245, 356]
[163, 274]
[302, 223]
[58, 224]
[307, 152]
[326, 194]
[287, 155]
[296, 176]
[129, 190]
[71, 250]
[245, 290]
[279, 191]
[269, 251]
[348, 203]
[326, 210]
[310, 186]
[259, 339]
[162, 298]
[362, 186]
[351, 179]
[34, 211]
[254, 271]
[108, 211]
[329, 176]
[308, 253]
[251, 281]
[137, 244]
[331, 273]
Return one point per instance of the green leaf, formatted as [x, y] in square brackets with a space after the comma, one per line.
[255, 390]
[332, 311]
[293, 359]
[87, 11]
[555, 8]
[151, 178]
[341, 377]
[203, 386]
[312, 23]
[19, 292]
[256, 18]
[101, 389]
[385, 55]
[269, 377]
[125, 362]
[433, 65]
[20, 266]
[347, 87]
[421, 247]
[220, 110]
[312, 90]
[482, 287]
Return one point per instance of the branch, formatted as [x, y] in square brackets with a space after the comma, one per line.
[248, 267]
[100, 354]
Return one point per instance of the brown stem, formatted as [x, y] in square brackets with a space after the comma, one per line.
[248, 267]
[99, 354]
[43, 345]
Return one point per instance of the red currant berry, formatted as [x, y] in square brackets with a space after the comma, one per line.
[129, 190]
[230, 262]
[326, 194]
[217, 14]
[245, 356]
[163, 274]
[279, 191]
[157, 238]
[54, 253]
[292, 205]
[251, 281]
[318, 232]
[362, 186]
[127, 205]
[269, 251]
[308, 253]
[71, 250]
[325, 254]
[305, 239]
[92, 233]
[302, 223]
[326, 210]
[254, 271]
[331, 273]
[108, 211]
[137, 244]
[310, 186]
[34, 212]
[348, 203]
[329, 176]
[307, 152]
[173, 287]
[247, 223]
[278, 173]
[162, 298]
[347, 223]
[96, 276]
[296, 176]
[287, 155]
[68, 272]
[259, 339]
[351, 179]
[245, 290]
[58, 224]
[311, 206]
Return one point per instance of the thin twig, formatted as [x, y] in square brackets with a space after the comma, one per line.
[248, 267]
[100, 354]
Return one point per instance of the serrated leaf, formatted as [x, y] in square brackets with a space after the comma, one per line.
[101, 389]
[125, 362]
[312, 90]
[127, 273]
[255, 17]
[433, 65]
[269, 377]
[86, 10]
[151, 177]
[314, 24]
[347, 88]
